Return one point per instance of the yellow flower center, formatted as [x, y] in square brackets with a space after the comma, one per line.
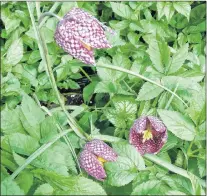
[85, 45]
[101, 160]
[147, 135]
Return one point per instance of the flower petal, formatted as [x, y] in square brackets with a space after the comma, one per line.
[140, 124]
[101, 149]
[157, 124]
[91, 165]
[150, 145]
[74, 47]
[87, 28]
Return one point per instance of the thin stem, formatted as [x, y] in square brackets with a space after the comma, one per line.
[44, 54]
[140, 76]
[87, 76]
[53, 8]
[48, 14]
[37, 153]
[171, 98]
[38, 9]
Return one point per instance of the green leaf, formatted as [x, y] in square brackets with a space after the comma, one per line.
[151, 187]
[25, 181]
[48, 129]
[165, 8]
[9, 187]
[61, 164]
[15, 52]
[183, 8]
[149, 91]
[178, 124]
[44, 189]
[88, 91]
[201, 167]
[178, 59]
[10, 122]
[121, 172]
[32, 112]
[131, 153]
[23, 144]
[159, 53]
[124, 112]
[70, 185]
[197, 188]
[34, 57]
[121, 10]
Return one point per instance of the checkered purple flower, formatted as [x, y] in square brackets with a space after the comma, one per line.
[148, 134]
[94, 154]
[79, 32]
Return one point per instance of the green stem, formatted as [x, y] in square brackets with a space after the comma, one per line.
[45, 57]
[37, 153]
[140, 76]
[87, 76]
[53, 8]
[171, 98]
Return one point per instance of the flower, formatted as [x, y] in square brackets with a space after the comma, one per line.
[148, 134]
[94, 155]
[79, 32]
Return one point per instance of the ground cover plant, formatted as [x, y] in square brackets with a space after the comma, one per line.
[119, 111]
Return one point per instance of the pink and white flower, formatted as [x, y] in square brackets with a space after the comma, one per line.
[148, 134]
[95, 153]
[79, 32]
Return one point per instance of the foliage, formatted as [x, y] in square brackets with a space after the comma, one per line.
[163, 41]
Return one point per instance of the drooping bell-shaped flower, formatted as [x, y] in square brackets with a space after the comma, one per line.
[94, 154]
[148, 134]
[79, 32]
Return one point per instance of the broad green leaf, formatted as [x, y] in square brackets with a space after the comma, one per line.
[159, 53]
[178, 124]
[70, 185]
[32, 112]
[183, 8]
[151, 187]
[121, 10]
[201, 167]
[48, 129]
[34, 57]
[61, 164]
[121, 172]
[10, 121]
[25, 181]
[149, 91]
[178, 59]
[9, 187]
[23, 144]
[165, 8]
[175, 193]
[197, 105]
[131, 153]
[124, 112]
[15, 52]
[44, 189]
[197, 188]
[88, 91]
[119, 25]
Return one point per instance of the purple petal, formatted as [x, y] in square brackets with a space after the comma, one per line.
[140, 124]
[101, 149]
[157, 124]
[91, 165]
[158, 131]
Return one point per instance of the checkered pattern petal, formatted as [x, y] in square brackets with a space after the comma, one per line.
[101, 149]
[91, 165]
[158, 131]
[78, 33]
